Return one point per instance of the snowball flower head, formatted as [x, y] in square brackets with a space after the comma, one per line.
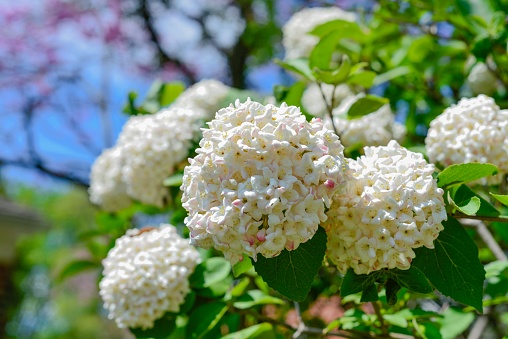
[205, 95]
[154, 145]
[474, 130]
[106, 186]
[392, 206]
[297, 41]
[146, 275]
[261, 180]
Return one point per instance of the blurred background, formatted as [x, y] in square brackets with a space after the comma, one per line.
[67, 69]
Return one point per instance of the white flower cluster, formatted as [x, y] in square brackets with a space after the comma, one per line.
[146, 275]
[153, 146]
[392, 206]
[297, 41]
[261, 180]
[206, 95]
[106, 185]
[482, 80]
[474, 130]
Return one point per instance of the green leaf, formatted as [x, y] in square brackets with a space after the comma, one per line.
[469, 206]
[334, 77]
[256, 297]
[76, 267]
[204, 318]
[464, 173]
[413, 279]
[364, 79]
[453, 266]
[501, 198]
[391, 287]
[462, 194]
[210, 272]
[261, 331]
[347, 29]
[321, 55]
[169, 92]
[130, 106]
[238, 289]
[455, 322]
[391, 74]
[242, 266]
[369, 294]
[162, 328]
[397, 319]
[174, 180]
[353, 283]
[291, 273]
[188, 302]
[497, 278]
[298, 66]
[366, 105]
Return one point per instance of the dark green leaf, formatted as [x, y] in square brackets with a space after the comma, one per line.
[462, 194]
[188, 303]
[204, 318]
[413, 279]
[392, 287]
[353, 283]
[261, 331]
[464, 173]
[162, 328]
[291, 273]
[298, 66]
[469, 206]
[256, 297]
[369, 294]
[453, 266]
[76, 267]
[174, 180]
[364, 79]
[366, 105]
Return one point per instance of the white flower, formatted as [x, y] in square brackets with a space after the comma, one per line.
[146, 275]
[297, 41]
[204, 97]
[106, 186]
[474, 130]
[313, 102]
[153, 146]
[392, 206]
[482, 80]
[261, 180]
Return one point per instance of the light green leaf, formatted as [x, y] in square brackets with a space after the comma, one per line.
[455, 322]
[210, 272]
[501, 198]
[321, 55]
[366, 105]
[334, 77]
[391, 74]
[396, 319]
[174, 180]
[364, 79]
[347, 29]
[238, 290]
[169, 92]
[242, 266]
[76, 267]
[469, 206]
[298, 66]
[453, 266]
[261, 331]
[204, 318]
[464, 173]
[256, 297]
[463, 194]
[291, 273]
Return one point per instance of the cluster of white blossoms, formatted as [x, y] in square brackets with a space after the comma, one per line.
[150, 147]
[146, 275]
[205, 95]
[261, 180]
[297, 41]
[107, 188]
[474, 130]
[153, 146]
[392, 206]
[482, 80]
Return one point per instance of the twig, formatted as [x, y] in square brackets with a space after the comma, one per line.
[377, 309]
[479, 326]
[500, 218]
[301, 324]
[329, 106]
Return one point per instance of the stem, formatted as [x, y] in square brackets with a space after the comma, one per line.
[500, 218]
[329, 106]
[377, 309]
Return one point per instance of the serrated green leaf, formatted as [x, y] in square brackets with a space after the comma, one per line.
[453, 266]
[256, 297]
[291, 273]
[162, 328]
[364, 79]
[242, 266]
[209, 272]
[353, 283]
[501, 198]
[366, 105]
[464, 173]
[391, 74]
[174, 180]
[463, 193]
[298, 66]
[262, 331]
[455, 322]
[76, 267]
[205, 318]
